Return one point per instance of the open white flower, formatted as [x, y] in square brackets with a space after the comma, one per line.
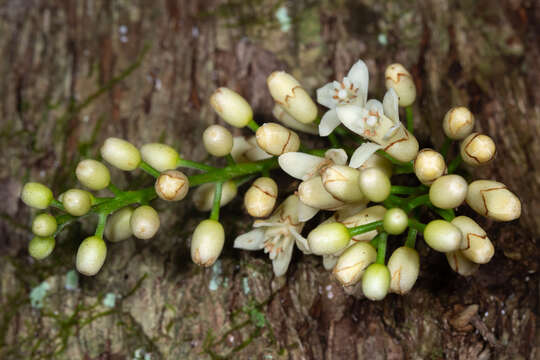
[277, 235]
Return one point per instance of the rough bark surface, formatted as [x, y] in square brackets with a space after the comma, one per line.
[75, 72]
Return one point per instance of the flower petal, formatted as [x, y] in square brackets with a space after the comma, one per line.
[290, 122]
[375, 106]
[351, 116]
[300, 165]
[338, 156]
[301, 242]
[256, 153]
[391, 105]
[359, 76]
[329, 122]
[306, 212]
[252, 240]
[283, 259]
[325, 96]
[363, 153]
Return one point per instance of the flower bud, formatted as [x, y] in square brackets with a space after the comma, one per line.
[44, 225]
[91, 255]
[493, 200]
[458, 123]
[41, 247]
[290, 122]
[231, 107]
[380, 162]
[172, 185]
[477, 149]
[399, 79]
[289, 94]
[475, 245]
[376, 282]
[203, 196]
[328, 238]
[118, 227]
[342, 182]
[353, 262]
[36, 195]
[366, 216]
[247, 150]
[260, 198]
[448, 191]
[312, 193]
[276, 139]
[374, 184]
[144, 222]
[160, 156]
[442, 236]
[429, 165]
[405, 148]
[404, 266]
[121, 154]
[217, 140]
[207, 242]
[460, 264]
[395, 221]
[77, 202]
[93, 174]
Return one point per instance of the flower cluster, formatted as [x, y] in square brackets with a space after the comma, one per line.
[351, 183]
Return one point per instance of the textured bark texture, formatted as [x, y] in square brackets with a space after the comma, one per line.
[76, 72]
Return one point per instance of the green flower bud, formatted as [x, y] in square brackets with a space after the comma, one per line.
[159, 156]
[380, 162]
[342, 182]
[404, 266]
[290, 95]
[353, 262]
[399, 79]
[217, 140]
[328, 238]
[172, 185]
[231, 107]
[120, 154]
[77, 202]
[41, 247]
[276, 139]
[395, 221]
[404, 148]
[93, 174]
[36, 195]
[442, 236]
[118, 226]
[374, 184]
[460, 264]
[44, 225]
[207, 242]
[458, 123]
[260, 198]
[475, 245]
[493, 200]
[203, 196]
[376, 282]
[448, 191]
[144, 222]
[312, 193]
[429, 165]
[477, 149]
[91, 255]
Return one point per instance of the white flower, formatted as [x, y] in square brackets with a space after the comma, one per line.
[277, 235]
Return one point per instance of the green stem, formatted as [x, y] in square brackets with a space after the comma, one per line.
[112, 188]
[418, 201]
[57, 204]
[253, 125]
[214, 215]
[446, 146]
[148, 169]
[411, 237]
[357, 230]
[102, 219]
[193, 165]
[230, 160]
[233, 171]
[334, 141]
[417, 225]
[454, 164]
[381, 248]
[244, 179]
[446, 214]
[396, 189]
[410, 119]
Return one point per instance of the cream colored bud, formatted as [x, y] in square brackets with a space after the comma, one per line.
[290, 122]
[328, 238]
[395, 221]
[493, 200]
[44, 225]
[477, 149]
[118, 227]
[41, 247]
[231, 107]
[312, 193]
[144, 222]
[342, 182]
[475, 245]
[36, 195]
[404, 266]
[448, 191]
[376, 282]
[380, 162]
[366, 216]
[203, 196]
[404, 148]
[460, 264]
[276, 139]
[260, 198]
[77, 202]
[353, 262]
[429, 165]
[289, 94]
[458, 123]
[443, 236]
[91, 255]
[93, 174]
[399, 79]
[160, 156]
[172, 185]
[120, 154]
[374, 184]
[217, 140]
[207, 242]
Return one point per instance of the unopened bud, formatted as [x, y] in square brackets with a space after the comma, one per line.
[276, 139]
[366, 216]
[217, 140]
[144, 222]
[172, 185]
[328, 238]
[118, 227]
[203, 196]
[312, 193]
[404, 266]
[399, 79]
[475, 245]
[460, 264]
[353, 262]
[376, 282]
[289, 94]
[493, 200]
[380, 162]
[374, 184]
[93, 174]
[442, 236]
[207, 242]
[290, 122]
[448, 191]
[160, 156]
[458, 123]
[41, 247]
[342, 182]
[404, 147]
[120, 154]
[44, 225]
[429, 165]
[395, 221]
[36, 195]
[260, 198]
[477, 149]
[91, 255]
[231, 107]
[77, 202]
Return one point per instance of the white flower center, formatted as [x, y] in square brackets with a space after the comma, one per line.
[344, 92]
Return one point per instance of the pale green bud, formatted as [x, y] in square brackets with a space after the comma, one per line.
[172, 185]
[477, 149]
[458, 123]
[160, 156]
[342, 182]
[93, 174]
[353, 262]
[448, 191]
[460, 264]
[118, 226]
[399, 79]
[44, 225]
[395, 221]
[91, 255]
[203, 196]
[207, 242]
[312, 193]
[260, 198]
[217, 140]
[231, 107]
[380, 162]
[290, 95]
[41, 247]
[493, 200]
[36, 195]
[77, 202]
[144, 222]
[429, 165]
[404, 266]
[374, 184]
[120, 154]
[376, 282]
[328, 238]
[276, 139]
[475, 245]
[442, 236]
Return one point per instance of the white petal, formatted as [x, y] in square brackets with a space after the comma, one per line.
[301, 241]
[359, 76]
[240, 146]
[329, 122]
[351, 116]
[253, 240]
[338, 156]
[375, 106]
[306, 212]
[281, 262]
[262, 223]
[363, 153]
[256, 153]
[290, 122]
[325, 96]
[300, 165]
[391, 105]
[329, 261]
